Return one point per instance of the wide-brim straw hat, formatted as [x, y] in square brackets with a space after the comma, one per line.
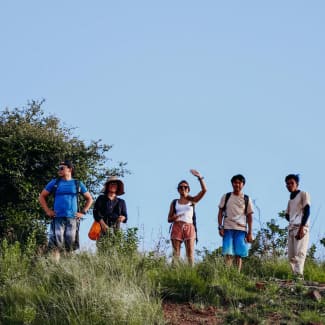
[120, 185]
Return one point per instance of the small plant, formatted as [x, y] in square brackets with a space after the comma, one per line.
[271, 241]
[311, 317]
[119, 242]
[181, 284]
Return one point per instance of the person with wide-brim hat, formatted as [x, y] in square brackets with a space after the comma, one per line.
[110, 210]
[120, 185]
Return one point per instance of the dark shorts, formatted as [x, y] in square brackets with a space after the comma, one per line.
[183, 231]
[234, 243]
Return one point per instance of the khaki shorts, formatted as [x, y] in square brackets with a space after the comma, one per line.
[183, 231]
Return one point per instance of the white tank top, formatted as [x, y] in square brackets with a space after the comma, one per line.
[185, 211]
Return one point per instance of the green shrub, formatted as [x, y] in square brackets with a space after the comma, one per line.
[181, 283]
[311, 317]
[267, 268]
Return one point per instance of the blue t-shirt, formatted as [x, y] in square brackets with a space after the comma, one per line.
[65, 202]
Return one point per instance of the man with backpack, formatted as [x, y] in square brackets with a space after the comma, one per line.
[235, 221]
[65, 215]
[297, 214]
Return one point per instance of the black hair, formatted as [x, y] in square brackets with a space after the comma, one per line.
[106, 185]
[238, 177]
[69, 164]
[184, 181]
[292, 176]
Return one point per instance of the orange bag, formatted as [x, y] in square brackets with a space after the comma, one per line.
[94, 231]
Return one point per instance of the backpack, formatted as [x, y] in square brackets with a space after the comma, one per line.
[246, 199]
[56, 185]
[53, 192]
[194, 218]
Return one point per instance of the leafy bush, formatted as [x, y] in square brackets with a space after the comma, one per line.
[271, 241]
[32, 144]
[181, 284]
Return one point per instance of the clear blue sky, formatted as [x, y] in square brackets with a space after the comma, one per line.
[224, 87]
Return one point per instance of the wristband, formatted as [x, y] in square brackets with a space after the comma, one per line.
[83, 211]
[200, 177]
[220, 227]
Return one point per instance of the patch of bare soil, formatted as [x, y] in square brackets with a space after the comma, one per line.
[191, 314]
[194, 314]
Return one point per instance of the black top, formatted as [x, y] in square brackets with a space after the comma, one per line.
[109, 210]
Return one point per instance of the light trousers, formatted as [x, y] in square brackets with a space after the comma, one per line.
[297, 250]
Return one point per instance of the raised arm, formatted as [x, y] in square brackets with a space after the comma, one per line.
[200, 195]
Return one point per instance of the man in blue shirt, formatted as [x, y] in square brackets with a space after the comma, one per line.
[65, 215]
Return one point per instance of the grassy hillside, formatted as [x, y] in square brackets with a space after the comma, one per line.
[120, 286]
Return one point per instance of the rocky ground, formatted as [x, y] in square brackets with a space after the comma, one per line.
[194, 314]
[189, 314]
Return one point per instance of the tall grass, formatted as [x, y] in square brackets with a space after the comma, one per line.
[118, 285]
[104, 288]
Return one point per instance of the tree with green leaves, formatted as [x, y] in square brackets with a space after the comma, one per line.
[270, 241]
[31, 145]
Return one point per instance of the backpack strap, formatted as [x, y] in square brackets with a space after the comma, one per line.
[174, 207]
[246, 199]
[78, 189]
[225, 205]
[76, 244]
[194, 222]
[55, 187]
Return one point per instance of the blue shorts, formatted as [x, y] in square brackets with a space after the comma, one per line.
[234, 243]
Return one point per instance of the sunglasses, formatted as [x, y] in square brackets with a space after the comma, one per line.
[62, 167]
[183, 187]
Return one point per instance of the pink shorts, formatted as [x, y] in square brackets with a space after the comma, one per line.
[183, 231]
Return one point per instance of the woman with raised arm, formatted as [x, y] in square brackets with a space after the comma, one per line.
[182, 215]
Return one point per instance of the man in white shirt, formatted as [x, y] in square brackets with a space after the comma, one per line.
[235, 220]
[297, 213]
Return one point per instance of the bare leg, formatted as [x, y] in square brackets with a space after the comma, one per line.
[56, 255]
[239, 263]
[229, 260]
[176, 250]
[189, 245]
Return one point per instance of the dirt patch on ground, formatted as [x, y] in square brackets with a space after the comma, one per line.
[196, 314]
[191, 314]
